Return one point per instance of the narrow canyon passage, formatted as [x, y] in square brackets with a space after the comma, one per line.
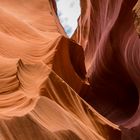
[61, 84]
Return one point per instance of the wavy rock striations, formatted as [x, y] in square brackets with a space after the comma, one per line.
[50, 85]
[107, 33]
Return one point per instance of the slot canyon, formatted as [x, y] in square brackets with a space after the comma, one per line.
[83, 87]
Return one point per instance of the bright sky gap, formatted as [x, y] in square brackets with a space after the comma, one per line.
[68, 12]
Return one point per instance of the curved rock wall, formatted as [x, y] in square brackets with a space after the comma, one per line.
[107, 33]
[44, 74]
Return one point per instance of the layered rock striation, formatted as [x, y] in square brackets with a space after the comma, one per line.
[57, 88]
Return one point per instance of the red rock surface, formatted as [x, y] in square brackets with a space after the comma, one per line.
[107, 33]
[50, 85]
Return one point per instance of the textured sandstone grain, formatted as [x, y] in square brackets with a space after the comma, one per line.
[136, 10]
[50, 85]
